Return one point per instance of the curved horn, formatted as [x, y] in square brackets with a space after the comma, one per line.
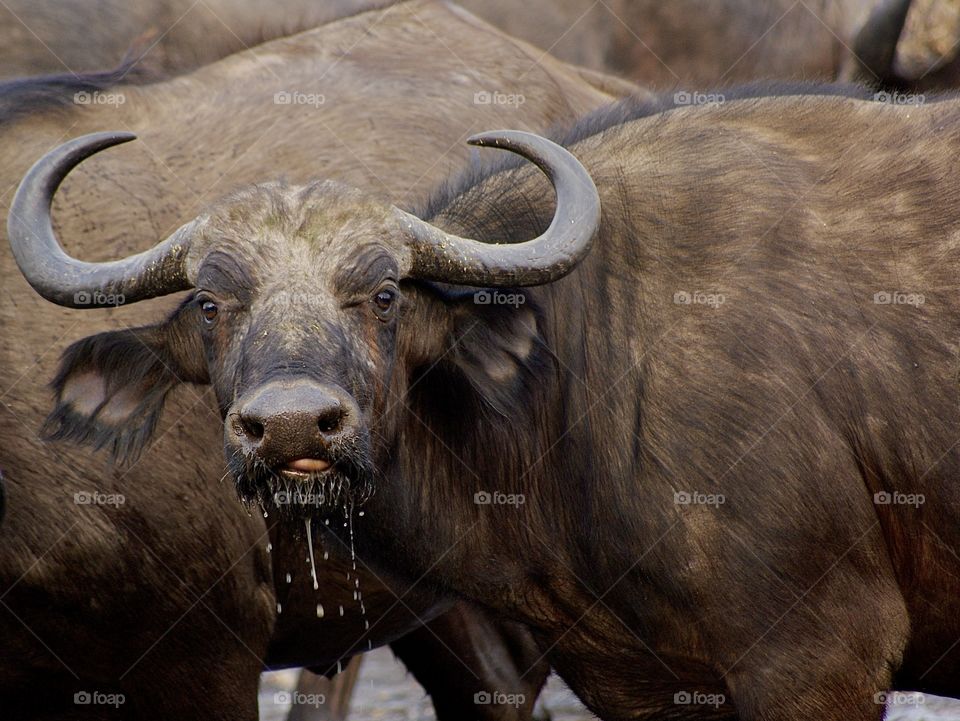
[440, 256]
[70, 282]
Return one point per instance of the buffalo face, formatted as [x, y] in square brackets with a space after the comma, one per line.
[298, 321]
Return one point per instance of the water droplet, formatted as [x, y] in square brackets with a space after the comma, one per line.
[279, 607]
[289, 578]
[319, 611]
[362, 512]
[269, 547]
[313, 566]
[341, 610]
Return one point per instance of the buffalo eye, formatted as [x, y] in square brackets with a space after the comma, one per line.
[208, 309]
[384, 301]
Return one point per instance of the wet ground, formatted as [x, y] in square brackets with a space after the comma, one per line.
[386, 692]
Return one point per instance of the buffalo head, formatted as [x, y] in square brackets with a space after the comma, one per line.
[310, 308]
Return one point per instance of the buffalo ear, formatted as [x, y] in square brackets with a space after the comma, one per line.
[111, 387]
[497, 346]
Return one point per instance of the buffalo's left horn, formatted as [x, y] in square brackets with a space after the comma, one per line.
[438, 255]
[70, 282]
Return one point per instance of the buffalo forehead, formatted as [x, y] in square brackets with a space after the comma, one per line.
[300, 233]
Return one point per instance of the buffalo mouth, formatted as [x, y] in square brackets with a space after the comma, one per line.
[303, 487]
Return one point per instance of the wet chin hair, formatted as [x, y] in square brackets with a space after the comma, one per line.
[348, 484]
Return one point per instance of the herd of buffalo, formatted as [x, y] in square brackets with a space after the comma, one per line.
[612, 338]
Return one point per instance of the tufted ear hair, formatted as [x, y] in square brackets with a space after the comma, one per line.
[111, 387]
[497, 346]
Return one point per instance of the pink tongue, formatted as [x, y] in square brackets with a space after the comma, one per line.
[308, 465]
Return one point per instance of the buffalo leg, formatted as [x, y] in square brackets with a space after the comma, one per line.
[336, 693]
[475, 668]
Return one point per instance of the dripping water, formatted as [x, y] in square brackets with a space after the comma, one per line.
[357, 593]
[313, 567]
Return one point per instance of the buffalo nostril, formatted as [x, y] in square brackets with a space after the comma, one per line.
[249, 427]
[329, 421]
[254, 429]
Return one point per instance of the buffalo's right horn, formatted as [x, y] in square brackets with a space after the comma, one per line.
[438, 255]
[74, 283]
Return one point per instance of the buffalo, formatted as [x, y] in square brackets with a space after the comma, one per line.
[702, 441]
[147, 580]
[156, 36]
[686, 44]
[693, 44]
